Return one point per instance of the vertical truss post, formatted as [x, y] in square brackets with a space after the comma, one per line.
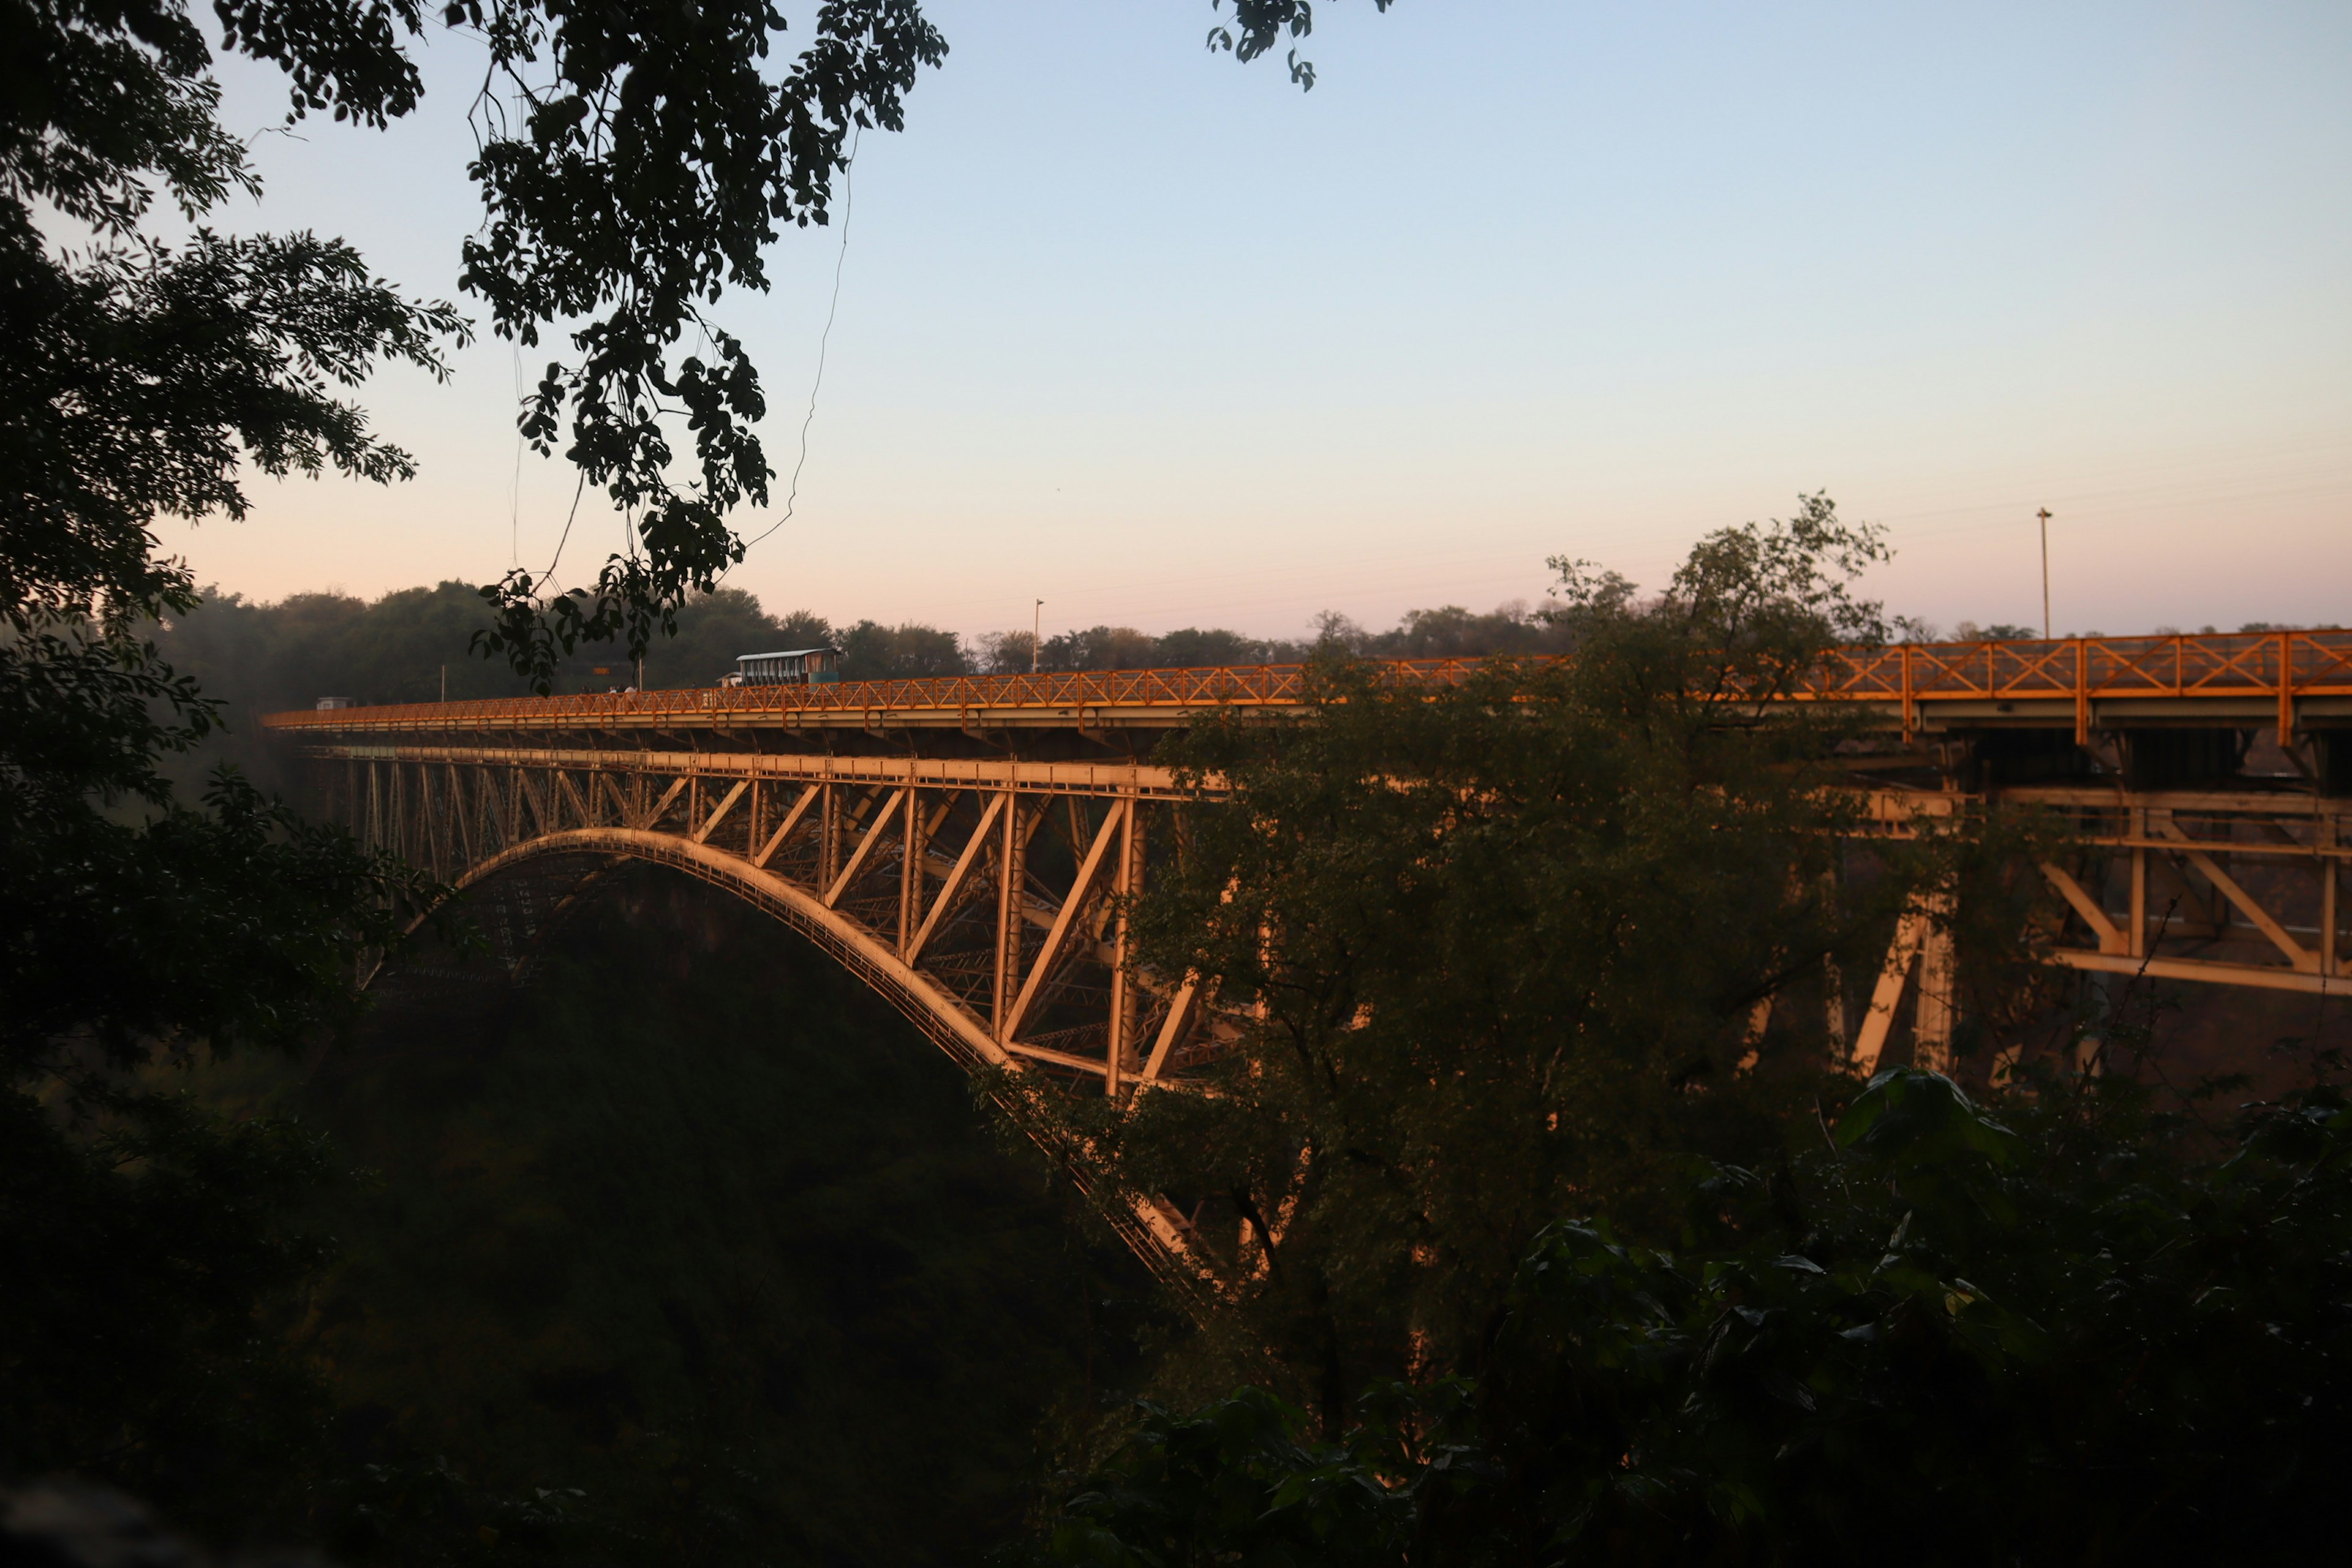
[1910, 707]
[828, 834]
[436, 822]
[2082, 692]
[2286, 689]
[1009, 878]
[910, 868]
[1127, 883]
[461, 815]
[1938, 1007]
[415, 821]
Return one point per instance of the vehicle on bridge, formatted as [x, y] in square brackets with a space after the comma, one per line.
[792, 667]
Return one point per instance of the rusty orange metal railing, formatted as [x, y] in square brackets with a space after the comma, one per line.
[2279, 666]
[1261, 685]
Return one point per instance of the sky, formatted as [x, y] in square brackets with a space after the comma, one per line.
[1165, 342]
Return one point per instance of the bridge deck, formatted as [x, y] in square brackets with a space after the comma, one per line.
[2283, 679]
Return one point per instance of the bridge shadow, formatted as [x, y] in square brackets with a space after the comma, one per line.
[674, 1210]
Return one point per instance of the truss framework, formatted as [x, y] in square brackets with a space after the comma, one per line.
[2239, 888]
[984, 897]
[984, 900]
[996, 886]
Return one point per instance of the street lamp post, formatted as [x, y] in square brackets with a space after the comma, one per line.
[2044, 514]
[1036, 627]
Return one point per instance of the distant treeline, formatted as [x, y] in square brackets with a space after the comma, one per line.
[413, 645]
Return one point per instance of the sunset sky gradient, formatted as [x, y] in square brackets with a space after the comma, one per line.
[1165, 342]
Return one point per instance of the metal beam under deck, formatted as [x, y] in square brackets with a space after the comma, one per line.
[786, 720]
[1136, 779]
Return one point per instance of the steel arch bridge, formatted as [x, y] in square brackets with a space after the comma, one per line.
[980, 898]
[962, 845]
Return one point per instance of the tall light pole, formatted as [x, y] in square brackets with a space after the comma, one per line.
[2045, 515]
[1036, 626]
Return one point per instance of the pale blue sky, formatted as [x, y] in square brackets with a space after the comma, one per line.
[1165, 342]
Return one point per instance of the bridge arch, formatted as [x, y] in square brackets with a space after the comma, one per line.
[941, 1018]
[979, 899]
[956, 843]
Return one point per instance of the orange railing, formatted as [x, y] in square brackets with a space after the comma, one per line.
[1260, 685]
[2276, 667]
[2283, 667]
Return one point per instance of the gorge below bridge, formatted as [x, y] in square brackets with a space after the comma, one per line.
[963, 843]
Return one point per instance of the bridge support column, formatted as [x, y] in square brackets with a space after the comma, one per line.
[1010, 875]
[828, 836]
[910, 870]
[1931, 1032]
[1127, 883]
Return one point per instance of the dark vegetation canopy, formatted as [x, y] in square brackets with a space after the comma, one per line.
[1556, 1229]
[2064, 1331]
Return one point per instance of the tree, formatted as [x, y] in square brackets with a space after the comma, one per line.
[2057, 1330]
[632, 164]
[142, 1240]
[872, 651]
[145, 1243]
[1519, 947]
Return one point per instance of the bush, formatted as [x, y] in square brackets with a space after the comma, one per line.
[2062, 1333]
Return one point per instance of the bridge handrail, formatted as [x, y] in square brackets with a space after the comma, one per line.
[2170, 665]
[2285, 665]
[1280, 685]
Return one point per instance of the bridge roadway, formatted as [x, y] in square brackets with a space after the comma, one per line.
[2287, 680]
[962, 844]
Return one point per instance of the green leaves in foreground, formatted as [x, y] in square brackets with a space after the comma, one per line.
[2050, 1336]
